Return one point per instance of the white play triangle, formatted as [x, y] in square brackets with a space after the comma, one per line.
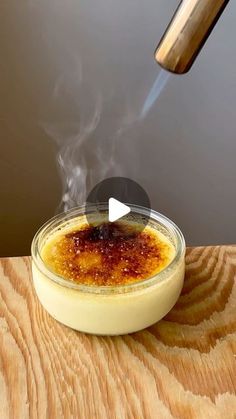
[117, 210]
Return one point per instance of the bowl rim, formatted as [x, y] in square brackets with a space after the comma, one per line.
[78, 211]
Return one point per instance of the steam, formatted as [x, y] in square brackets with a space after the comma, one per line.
[85, 156]
[87, 152]
[156, 90]
[72, 163]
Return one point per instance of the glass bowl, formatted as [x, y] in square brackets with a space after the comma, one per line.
[108, 310]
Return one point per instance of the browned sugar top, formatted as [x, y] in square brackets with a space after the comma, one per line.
[108, 254]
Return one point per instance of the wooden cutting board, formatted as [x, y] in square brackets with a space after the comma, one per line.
[182, 367]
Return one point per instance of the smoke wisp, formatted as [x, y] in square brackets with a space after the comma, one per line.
[87, 152]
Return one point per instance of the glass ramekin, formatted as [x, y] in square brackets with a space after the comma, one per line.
[108, 310]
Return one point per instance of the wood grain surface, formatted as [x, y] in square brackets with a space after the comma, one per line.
[182, 367]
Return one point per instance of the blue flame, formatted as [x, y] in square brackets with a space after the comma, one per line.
[155, 92]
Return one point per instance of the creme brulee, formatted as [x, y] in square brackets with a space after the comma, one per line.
[108, 278]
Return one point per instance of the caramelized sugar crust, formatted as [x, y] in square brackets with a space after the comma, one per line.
[108, 254]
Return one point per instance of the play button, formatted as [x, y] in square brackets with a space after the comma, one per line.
[117, 210]
[117, 198]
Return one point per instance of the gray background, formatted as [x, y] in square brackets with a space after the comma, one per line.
[183, 153]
